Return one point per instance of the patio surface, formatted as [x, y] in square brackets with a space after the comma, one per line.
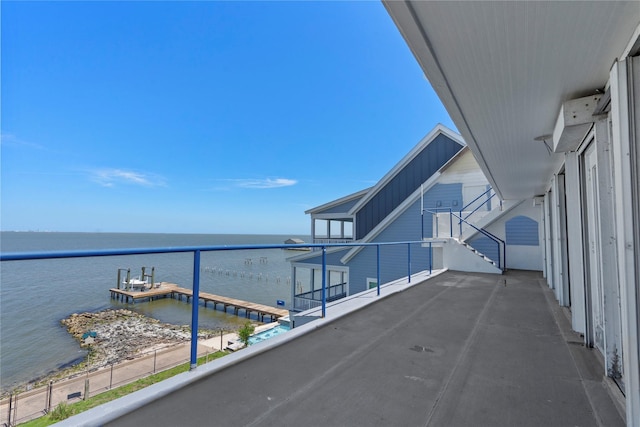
[460, 349]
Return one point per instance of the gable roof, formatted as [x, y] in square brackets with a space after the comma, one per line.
[337, 202]
[439, 129]
[415, 196]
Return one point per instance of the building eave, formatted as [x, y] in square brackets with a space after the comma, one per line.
[439, 129]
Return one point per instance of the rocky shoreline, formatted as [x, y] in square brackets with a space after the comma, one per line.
[112, 336]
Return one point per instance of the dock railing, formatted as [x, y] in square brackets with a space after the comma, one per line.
[198, 250]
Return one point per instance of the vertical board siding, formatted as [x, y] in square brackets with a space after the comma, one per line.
[423, 166]
[522, 230]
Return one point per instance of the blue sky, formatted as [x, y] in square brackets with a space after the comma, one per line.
[200, 117]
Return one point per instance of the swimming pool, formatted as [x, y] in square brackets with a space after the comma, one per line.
[269, 333]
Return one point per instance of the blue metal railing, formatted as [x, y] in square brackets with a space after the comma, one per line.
[197, 250]
[436, 211]
[502, 253]
[486, 202]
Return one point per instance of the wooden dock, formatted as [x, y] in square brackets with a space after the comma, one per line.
[164, 290]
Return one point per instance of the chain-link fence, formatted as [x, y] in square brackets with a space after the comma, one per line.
[27, 405]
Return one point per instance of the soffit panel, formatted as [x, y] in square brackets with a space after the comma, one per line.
[507, 68]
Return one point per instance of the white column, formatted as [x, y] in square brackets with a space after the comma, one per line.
[621, 96]
[547, 240]
[574, 233]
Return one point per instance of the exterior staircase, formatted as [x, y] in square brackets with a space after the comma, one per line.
[453, 231]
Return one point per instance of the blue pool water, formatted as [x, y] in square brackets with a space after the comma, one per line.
[269, 333]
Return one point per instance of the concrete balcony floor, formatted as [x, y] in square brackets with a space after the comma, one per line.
[460, 349]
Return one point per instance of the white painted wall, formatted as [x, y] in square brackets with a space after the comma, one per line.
[458, 257]
[520, 257]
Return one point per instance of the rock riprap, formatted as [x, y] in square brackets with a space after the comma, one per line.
[122, 334]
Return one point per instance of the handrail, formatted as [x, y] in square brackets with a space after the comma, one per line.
[196, 250]
[477, 207]
[493, 237]
[502, 255]
[477, 198]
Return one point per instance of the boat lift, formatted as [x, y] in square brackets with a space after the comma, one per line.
[141, 282]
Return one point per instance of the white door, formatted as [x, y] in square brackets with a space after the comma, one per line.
[594, 281]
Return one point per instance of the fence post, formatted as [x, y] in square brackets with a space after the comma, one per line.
[155, 356]
[15, 407]
[10, 409]
[409, 262]
[46, 399]
[47, 403]
[111, 378]
[194, 310]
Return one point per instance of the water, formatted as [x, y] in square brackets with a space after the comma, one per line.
[36, 295]
[269, 333]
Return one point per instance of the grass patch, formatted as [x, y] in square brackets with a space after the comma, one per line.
[63, 410]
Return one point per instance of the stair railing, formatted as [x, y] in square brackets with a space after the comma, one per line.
[486, 202]
[502, 253]
[436, 211]
[502, 246]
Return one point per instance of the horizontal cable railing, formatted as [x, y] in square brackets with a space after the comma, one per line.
[333, 292]
[198, 250]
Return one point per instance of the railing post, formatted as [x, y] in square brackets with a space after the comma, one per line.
[378, 268]
[324, 281]
[450, 222]
[430, 258]
[504, 254]
[194, 310]
[409, 262]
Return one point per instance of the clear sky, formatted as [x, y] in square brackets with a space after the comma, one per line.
[200, 117]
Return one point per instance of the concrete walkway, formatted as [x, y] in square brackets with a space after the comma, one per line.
[460, 349]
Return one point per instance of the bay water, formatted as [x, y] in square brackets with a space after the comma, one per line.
[36, 295]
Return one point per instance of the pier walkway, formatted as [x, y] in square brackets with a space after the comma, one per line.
[164, 290]
[460, 349]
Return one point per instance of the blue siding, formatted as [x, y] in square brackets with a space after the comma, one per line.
[443, 196]
[423, 166]
[487, 247]
[331, 259]
[393, 258]
[522, 230]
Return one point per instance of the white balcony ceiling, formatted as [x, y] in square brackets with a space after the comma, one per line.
[503, 69]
